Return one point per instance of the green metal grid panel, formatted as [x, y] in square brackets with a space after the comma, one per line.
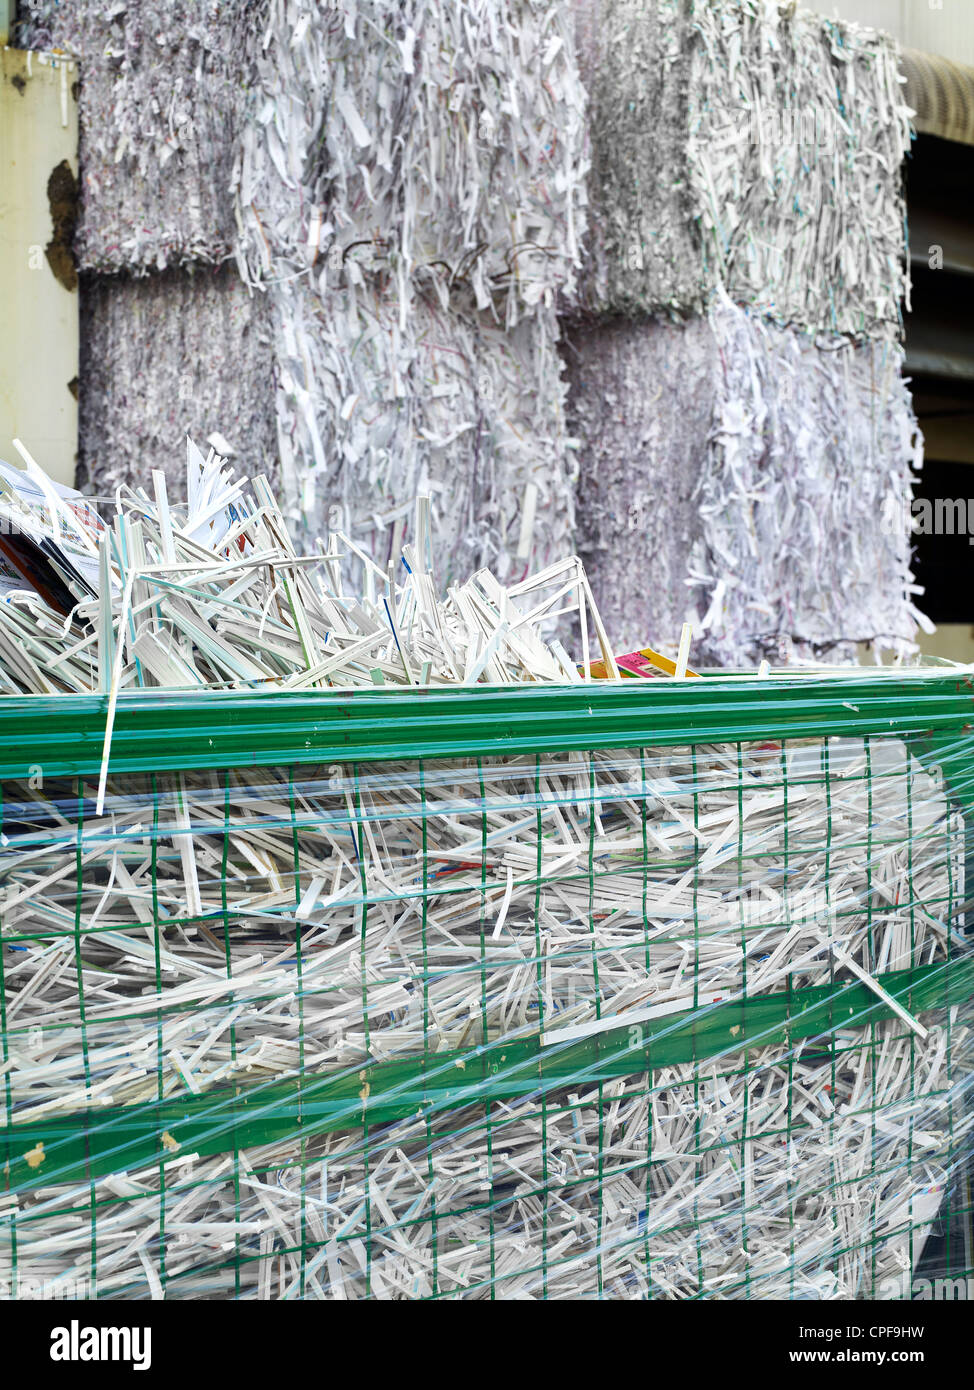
[404, 1153]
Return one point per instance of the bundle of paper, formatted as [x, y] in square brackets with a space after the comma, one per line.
[432, 399]
[186, 351]
[164, 88]
[381, 1029]
[782, 136]
[411, 198]
[48, 537]
[751, 479]
[804, 498]
[448, 134]
[214, 594]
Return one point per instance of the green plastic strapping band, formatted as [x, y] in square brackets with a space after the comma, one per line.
[80, 1147]
[174, 731]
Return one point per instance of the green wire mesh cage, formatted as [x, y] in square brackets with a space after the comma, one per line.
[652, 990]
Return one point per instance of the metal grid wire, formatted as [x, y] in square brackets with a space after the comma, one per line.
[563, 1025]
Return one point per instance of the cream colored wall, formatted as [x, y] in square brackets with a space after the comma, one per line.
[38, 310]
[952, 640]
[945, 27]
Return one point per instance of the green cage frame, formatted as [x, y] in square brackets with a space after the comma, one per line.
[931, 710]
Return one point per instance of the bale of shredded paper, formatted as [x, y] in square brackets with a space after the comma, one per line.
[797, 132]
[411, 193]
[805, 497]
[164, 85]
[750, 145]
[166, 353]
[449, 130]
[274, 954]
[750, 479]
[374, 413]
[643, 248]
[640, 402]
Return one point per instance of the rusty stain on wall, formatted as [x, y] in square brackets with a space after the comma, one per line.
[62, 196]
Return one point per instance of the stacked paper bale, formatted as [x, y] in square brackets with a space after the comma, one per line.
[161, 104]
[767, 509]
[797, 128]
[638, 493]
[744, 152]
[372, 414]
[750, 145]
[810, 459]
[183, 350]
[170, 338]
[409, 195]
[411, 192]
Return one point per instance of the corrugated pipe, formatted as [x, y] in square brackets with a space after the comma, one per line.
[941, 93]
